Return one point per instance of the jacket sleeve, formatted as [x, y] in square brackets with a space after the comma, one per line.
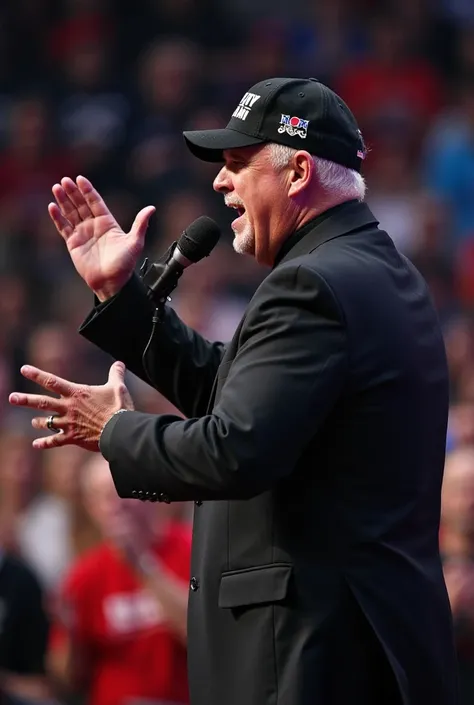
[182, 364]
[287, 375]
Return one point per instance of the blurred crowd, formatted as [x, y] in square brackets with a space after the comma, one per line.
[93, 589]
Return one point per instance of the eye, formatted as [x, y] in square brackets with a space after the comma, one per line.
[236, 163]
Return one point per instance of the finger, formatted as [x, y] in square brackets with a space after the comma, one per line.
[117, 373]
[77, 198]
[41, 423]
[140, 225]
[54, 441]
[66, 206]
[94, 200]
[53, 383]
[37, 401]
[63, 226]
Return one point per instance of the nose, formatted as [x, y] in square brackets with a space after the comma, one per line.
[222, 182]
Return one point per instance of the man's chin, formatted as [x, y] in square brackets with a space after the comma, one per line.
[244, 245]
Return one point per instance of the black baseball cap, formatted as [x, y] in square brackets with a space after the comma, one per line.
[298, 112]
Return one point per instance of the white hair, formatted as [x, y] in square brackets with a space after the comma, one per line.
[334, 179]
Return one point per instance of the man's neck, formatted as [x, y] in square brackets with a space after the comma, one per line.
[324, 204]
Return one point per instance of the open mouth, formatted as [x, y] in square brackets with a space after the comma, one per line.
[239, 208]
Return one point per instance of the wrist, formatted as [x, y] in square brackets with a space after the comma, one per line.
[119, 411]
[106, 294]
[111, 289]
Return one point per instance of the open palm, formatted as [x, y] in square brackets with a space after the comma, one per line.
[103, 254]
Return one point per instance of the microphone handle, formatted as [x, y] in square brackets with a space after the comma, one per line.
[162, 277]
[161, 280]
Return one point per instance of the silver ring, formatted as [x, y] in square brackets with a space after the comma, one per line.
[50, 424]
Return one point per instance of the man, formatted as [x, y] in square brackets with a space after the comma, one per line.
[314, 441]
[120, 633]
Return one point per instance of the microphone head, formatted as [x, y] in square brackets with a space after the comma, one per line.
[199, 239]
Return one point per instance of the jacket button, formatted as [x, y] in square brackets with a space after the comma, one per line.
[198, 502]
[194, 584]
[140, 494]
[164, 498]
[154, 497]
[134, 493]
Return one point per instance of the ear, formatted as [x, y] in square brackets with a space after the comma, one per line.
[301, 174]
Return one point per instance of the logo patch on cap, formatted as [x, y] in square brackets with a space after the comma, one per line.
[294, 126]
[245, 106]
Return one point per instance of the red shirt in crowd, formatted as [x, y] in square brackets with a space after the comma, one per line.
[130, 654]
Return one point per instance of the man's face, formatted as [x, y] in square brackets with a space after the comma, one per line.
[259, 192]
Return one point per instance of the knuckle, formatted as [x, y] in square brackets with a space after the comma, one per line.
[122, 389]
[50, 382]
[42, 403]
[55, 440]
[80, 392]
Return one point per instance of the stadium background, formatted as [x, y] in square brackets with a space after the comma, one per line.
[105, 89]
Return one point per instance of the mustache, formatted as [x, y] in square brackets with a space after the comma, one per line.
[233, 203]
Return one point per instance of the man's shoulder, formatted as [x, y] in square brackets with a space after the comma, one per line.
[354, 260]
[357, 267]
[295, 278]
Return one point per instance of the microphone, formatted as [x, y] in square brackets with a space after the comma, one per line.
[196, 242]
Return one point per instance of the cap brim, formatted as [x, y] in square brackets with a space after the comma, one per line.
[209, 145]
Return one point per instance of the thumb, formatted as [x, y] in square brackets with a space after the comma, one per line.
[140, 224]
[117, 373]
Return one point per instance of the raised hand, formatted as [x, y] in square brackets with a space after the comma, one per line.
[80, 410]
[104, 256]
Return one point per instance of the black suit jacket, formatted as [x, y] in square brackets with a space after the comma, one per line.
[314, 449]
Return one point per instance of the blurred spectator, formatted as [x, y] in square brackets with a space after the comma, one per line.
[326, 38]
[174, 216]
[393, 197]
[205, 303]
[93, 112]
[457, 543]
[450, 165]
[46, 533]
[120, 633]
[459, 341]
[80, 22]
[23, 634]
[430, 256]
[394, 91]
[17, 483]
[51, 347]
[169, 73]
[31, 163]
